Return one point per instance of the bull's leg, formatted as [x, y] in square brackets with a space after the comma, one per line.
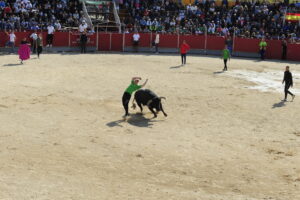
[165, 114]
[141, 107]
[151, 109]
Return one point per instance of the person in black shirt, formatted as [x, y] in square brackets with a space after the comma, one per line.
[83, 41]
[284, 49]
[288, 80]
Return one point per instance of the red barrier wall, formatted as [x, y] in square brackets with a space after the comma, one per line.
[215, 42]
[246, 45]
[293, 52]
[114, 42]
[195, 41]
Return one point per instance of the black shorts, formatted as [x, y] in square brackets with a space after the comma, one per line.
[135, 43]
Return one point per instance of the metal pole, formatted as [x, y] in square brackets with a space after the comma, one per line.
[123, 42]
[97, 39]
[110, 41]
[69, 38]
[205, 41]
[233, 41]
[150, 40]
[178, 40]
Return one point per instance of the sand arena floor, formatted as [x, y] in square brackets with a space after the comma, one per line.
[228, 136]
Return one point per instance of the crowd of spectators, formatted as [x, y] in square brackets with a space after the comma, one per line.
[255, 19]
[22, 15]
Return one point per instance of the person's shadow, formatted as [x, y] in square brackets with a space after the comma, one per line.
[176, 67]
[219, 72]
[279, 104]
[115, 123]
[12, 65]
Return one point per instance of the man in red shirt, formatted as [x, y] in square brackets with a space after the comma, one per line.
[184, 48]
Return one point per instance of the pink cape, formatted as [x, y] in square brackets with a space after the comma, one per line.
[24, 52]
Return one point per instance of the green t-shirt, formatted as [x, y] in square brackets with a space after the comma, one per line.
[226, 54]
[263, 44]
[132, 88]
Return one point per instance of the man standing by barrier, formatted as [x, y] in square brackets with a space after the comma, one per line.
[262, 48]
[50, 35]
[136, 39]
[34, 37]
[156, 42]
[11, 41]
[83, 41]
[284, 49]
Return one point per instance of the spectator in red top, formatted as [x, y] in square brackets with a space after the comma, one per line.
[184, 48]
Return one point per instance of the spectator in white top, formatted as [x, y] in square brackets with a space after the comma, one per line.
[50, 35]
[34, 37]
[11, 41]
[156, 42]
[57, 25]
[136, 39]
[82, 27]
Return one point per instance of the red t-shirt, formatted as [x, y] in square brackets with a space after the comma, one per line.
[184, 48]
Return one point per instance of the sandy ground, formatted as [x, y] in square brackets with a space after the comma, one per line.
[227, 137]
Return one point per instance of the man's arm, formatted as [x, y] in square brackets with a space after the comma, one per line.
[144, 83]
[283, 78]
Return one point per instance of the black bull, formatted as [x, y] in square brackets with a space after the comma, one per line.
[148, 98]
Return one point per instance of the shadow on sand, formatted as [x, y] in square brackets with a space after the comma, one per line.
[135, 120]
[219, 72]
[279, 104]
[176, 67]
[11, 65]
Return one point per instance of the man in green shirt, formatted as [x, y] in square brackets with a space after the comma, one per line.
[262, 48]
[226, 56]
[128, 92]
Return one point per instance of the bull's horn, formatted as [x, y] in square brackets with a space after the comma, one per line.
[163, 98]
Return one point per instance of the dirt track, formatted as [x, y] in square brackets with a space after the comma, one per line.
[62, 135]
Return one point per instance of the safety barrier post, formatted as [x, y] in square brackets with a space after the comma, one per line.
[123, 45]
[178, 40]
[150, 45]
[97, 39]
[69, 38]
[109, 41]
[233, 41]
[205, 40]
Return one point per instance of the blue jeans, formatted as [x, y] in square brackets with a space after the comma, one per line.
[12, 45]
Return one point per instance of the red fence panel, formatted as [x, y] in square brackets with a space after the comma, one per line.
[274, 49]
[116, 42]
[104, 42]
[293, 52]
[246, 45]
[195, 41]
[215, 42]
[3, 39]
[168, 41]
[61, 39]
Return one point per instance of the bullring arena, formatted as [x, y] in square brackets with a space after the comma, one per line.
[228, 136]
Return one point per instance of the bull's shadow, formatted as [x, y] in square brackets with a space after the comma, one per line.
[139, 120]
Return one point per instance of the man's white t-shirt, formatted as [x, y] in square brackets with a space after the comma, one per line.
[50, 29]
[136, 37]
[12, 37]
[157, 39]
[82, 27]
[34, 36]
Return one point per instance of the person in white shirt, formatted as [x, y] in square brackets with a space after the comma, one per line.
[34, 37]
[136, 39]
[57, 25]
[156, 42]
[82, 27]
[11, 41]
[50, 35]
